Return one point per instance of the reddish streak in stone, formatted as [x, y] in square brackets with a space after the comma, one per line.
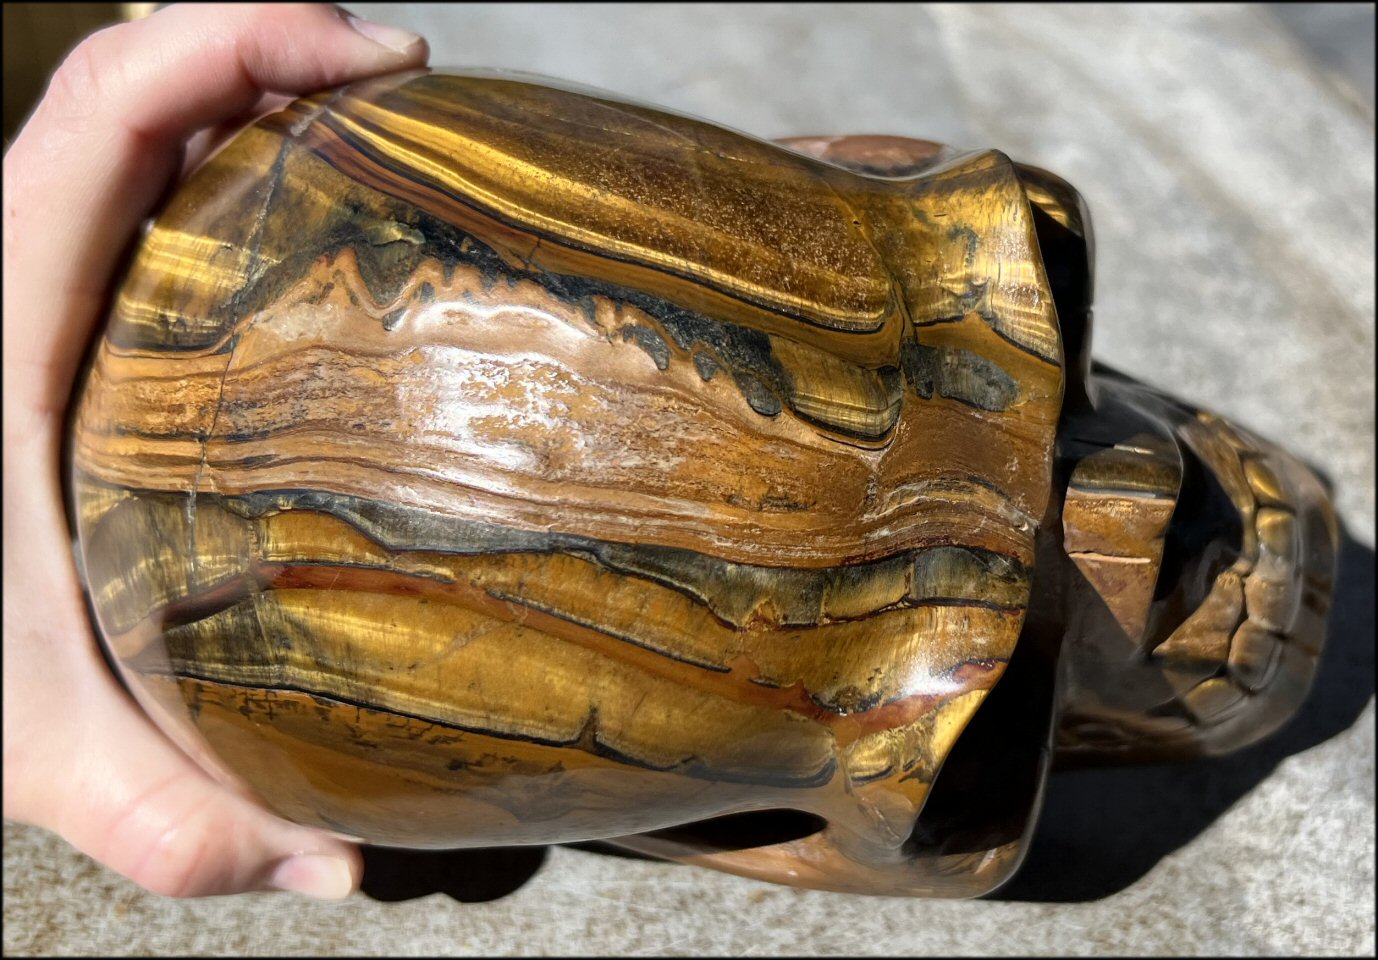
[734, 684]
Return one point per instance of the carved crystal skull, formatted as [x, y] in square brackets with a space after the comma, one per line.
[472, 460]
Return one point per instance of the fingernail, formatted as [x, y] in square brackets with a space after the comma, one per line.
[314, 875]
[394, 38]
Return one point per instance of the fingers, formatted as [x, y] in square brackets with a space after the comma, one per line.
[107, 140]
[144, 810]
[121, 793]
[80, 758]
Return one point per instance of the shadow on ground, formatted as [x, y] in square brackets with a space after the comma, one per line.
[469, 876]
[1101, 830]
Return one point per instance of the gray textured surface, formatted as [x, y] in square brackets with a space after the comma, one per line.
[1227, 154]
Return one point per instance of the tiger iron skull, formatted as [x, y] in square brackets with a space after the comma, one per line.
[470, 460]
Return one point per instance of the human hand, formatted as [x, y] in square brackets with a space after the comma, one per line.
[130, 109]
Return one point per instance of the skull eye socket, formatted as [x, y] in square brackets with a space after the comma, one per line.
[1063, 229]
[1066, 263]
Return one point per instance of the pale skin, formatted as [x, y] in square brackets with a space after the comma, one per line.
[128, 111]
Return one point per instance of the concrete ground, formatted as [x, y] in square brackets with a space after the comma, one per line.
[1227, 154]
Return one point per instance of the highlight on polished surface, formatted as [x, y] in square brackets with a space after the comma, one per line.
[474, 460]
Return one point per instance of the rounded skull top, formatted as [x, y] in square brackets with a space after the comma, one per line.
[472, 460]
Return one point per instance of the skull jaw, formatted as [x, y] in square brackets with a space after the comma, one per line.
[1196, 603]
